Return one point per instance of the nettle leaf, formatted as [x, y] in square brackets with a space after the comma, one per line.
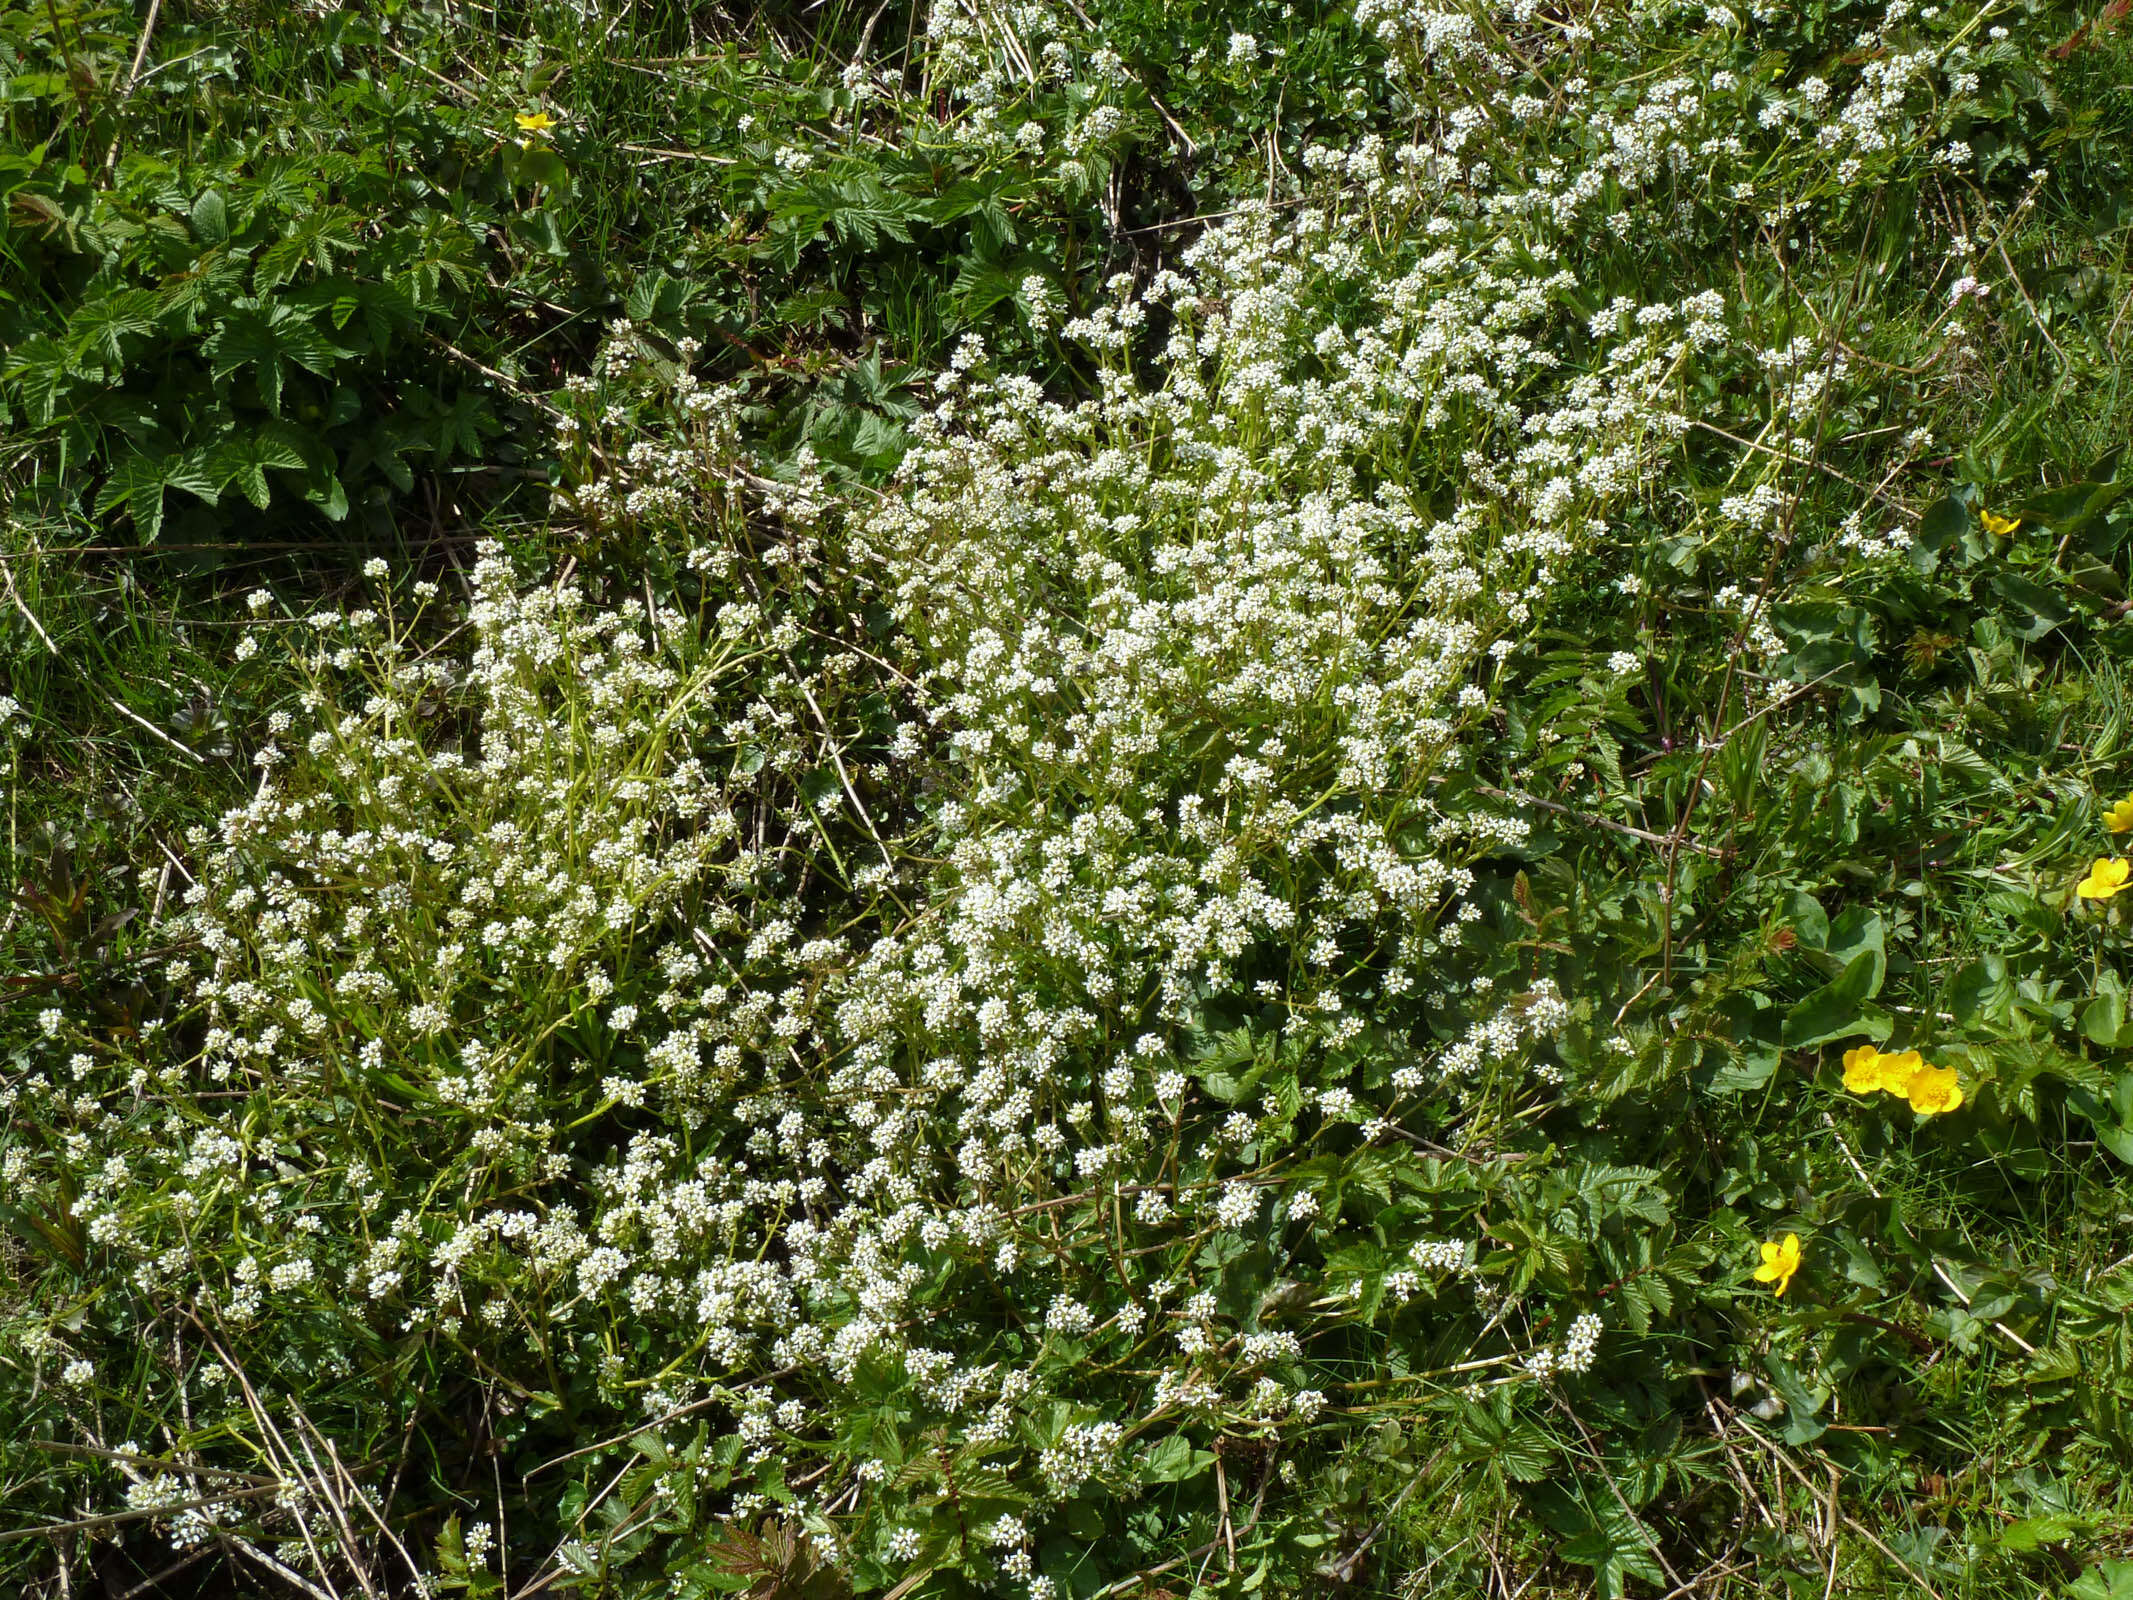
[269, 341]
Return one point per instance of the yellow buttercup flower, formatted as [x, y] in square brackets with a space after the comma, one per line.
[1781, 1259]
[1895, 1072]
[536, 122]
[1934, 1089]
[2105, 878]
[2119, 818]
[1999, 525]
[1862, 1069]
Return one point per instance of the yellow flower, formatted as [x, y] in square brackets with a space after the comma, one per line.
[1895, 1072]
[1862, 1069]
[2000, 525]
[536, 122]
[2119, 818]
[1934, 1089]
[2105, 878]
[1781, 1259]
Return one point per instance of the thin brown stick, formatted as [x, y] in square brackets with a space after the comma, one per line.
[156, 1580]
[1590, 820]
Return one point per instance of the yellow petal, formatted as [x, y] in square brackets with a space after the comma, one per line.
[1895, 1071]
[1999, 525]
[1935, 1089]
[1862, 1069]
[2105, 879]
[2119, 818]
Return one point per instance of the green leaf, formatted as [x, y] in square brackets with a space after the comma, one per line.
[245, 457]
[98, 330]
[1944, 523]
[1494, 1435]
[1173, 1460]
[270, 341]
[40, 368]
[2103, 1019]
[2108, 1580]
[1616, 1544]
[137, 483]
[1981, 990]
[1839, 1010]
[211, 218]
[2044, 608]
[1858, 931]
[1803, 1421]
[313, 241]
[2034, 1532]
[1809, 922]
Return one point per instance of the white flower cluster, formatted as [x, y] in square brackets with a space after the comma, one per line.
[735, 1013]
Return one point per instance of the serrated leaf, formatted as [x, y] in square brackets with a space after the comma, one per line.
[210, 218]
[99, 329]
[136, 483]
[40, 369]
[313, 241]
[269, 341]
[246, 457]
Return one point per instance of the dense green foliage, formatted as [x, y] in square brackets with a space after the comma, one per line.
[1066, 803]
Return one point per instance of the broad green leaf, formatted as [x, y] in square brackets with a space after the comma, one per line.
[2108, 1580]
[1840, 1009]
[1856, 931]
[1809, 922]
[1173, 1460]
[1981, 990]
[211, 218]
[2103, 1019]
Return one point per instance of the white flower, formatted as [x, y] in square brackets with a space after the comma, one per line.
[1068, 1315]
[1238, 1206]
